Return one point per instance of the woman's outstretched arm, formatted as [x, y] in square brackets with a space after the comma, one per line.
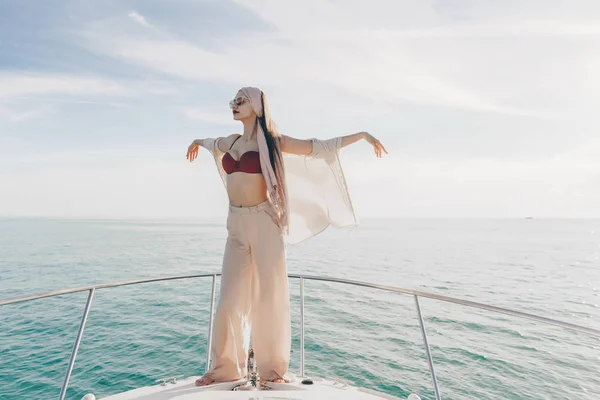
[223, 144]
[304, 146]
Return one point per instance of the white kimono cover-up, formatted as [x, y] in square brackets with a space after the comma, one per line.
[317, 191]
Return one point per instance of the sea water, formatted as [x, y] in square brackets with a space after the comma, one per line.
[137, 334]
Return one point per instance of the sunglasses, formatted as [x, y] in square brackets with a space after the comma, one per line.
[240, 101]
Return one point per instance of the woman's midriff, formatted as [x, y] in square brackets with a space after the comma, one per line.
[246, 190]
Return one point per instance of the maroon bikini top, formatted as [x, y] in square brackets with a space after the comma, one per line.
[249, 162]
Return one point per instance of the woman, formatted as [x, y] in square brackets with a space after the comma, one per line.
[269, 198]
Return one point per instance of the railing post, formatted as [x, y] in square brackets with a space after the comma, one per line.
[427, 350]
[301, 326]
[210, 324]
[86, 311]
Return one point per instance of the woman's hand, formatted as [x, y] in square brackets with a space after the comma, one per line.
[377, 146]
[192, 152]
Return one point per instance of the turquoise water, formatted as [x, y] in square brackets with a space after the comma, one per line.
[137, 334]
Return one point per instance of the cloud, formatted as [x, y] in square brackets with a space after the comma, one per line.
[382, 75]
[209, 116]
[35, 113]
[21, 114]
[174, 57]
[147, 189]
[526, 29]
[138, 18]
[483, 187]
[150, 188]
[487, 108]
[431, 61]
[30, 95]
[585, 156]
[6, 141]
[16, 84]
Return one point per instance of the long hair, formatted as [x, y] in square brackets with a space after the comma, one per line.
[273, 138]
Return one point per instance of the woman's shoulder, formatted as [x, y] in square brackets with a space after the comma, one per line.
[231, 138]
[225, 142]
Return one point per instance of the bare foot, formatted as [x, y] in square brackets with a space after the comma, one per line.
[276, 380]
[204, 381]
[207, 380]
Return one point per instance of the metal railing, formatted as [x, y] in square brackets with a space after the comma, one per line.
[416, 294]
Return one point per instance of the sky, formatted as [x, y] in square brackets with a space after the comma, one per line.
[487, 108]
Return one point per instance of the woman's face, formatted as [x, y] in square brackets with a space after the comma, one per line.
[241, 107]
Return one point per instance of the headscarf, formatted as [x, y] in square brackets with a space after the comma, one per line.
[276, 189]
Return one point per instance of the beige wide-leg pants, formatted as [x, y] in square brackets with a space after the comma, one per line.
[254, 297]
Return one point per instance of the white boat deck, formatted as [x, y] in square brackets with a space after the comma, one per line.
[320, 389]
